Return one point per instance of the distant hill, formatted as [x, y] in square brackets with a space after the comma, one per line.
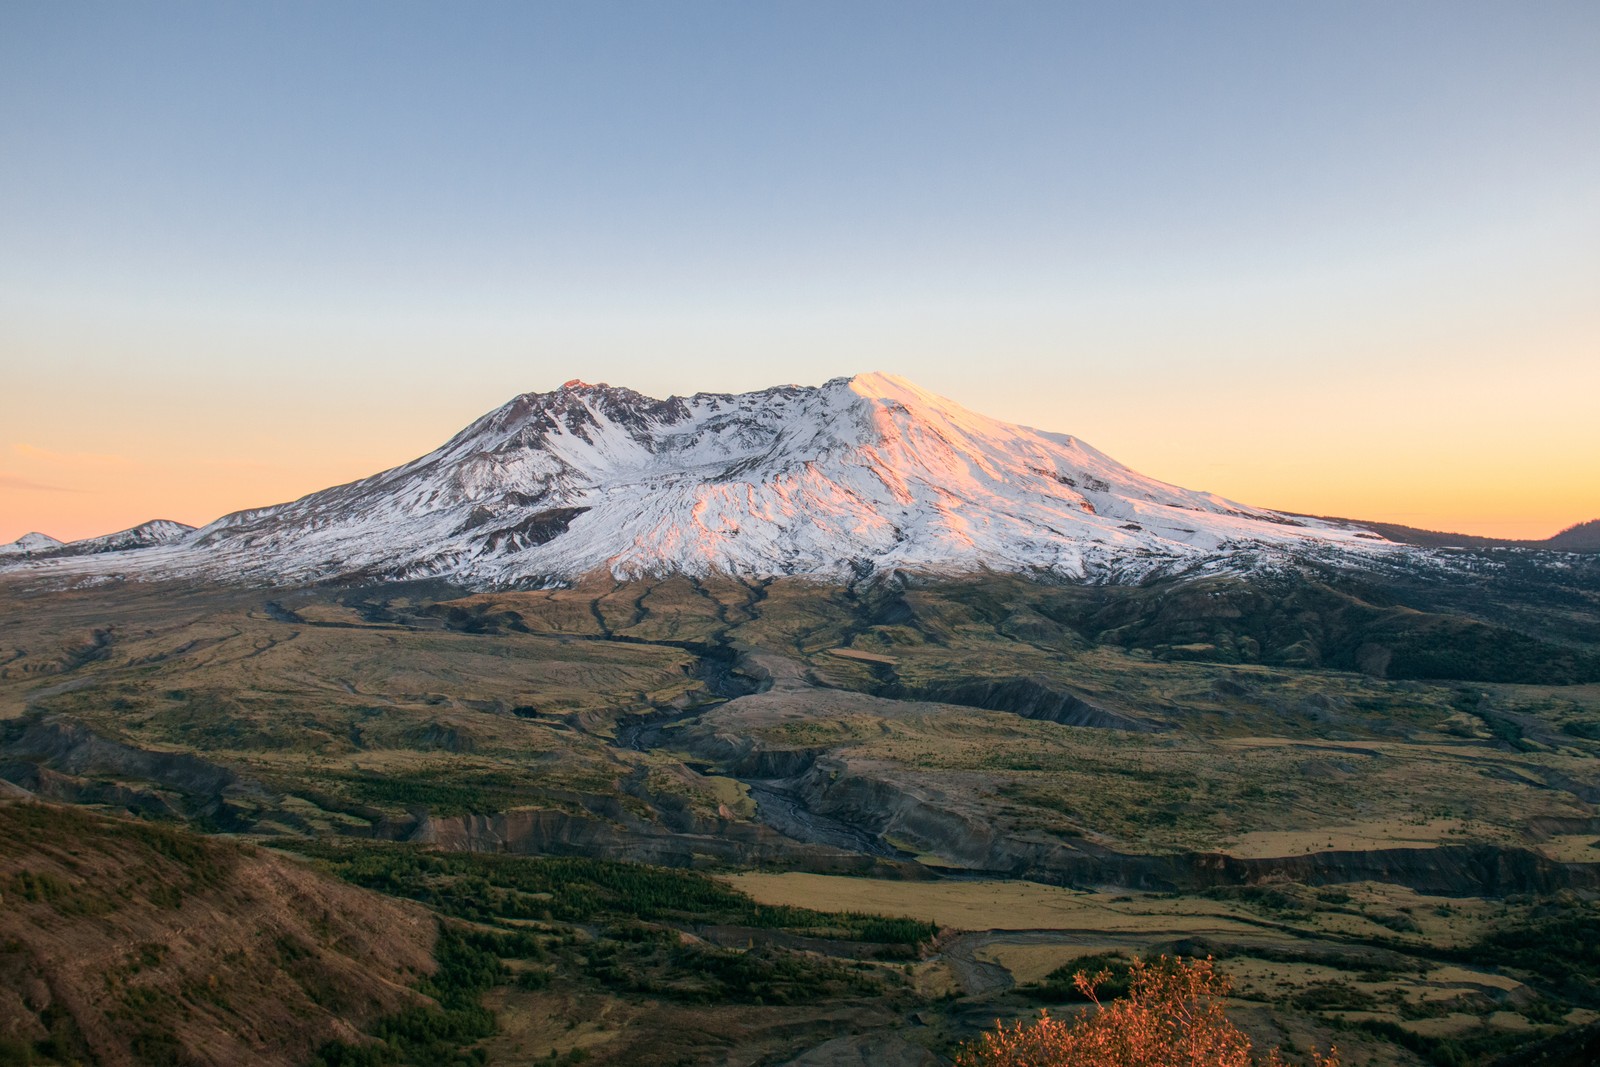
[1584, 537]
[29, 543]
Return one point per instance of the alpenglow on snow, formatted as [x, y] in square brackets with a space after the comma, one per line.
[857, 476]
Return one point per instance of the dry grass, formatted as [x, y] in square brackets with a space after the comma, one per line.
[1001, 905]
[1374, 834]
[534, 1024]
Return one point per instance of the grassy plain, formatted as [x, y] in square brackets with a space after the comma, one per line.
[1320, 963]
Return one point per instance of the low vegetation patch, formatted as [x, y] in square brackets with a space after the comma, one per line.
[594, 926]
[1556, 946]
[1112, 973]
[485, 887]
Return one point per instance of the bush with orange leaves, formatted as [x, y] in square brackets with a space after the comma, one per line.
[1170, 1018]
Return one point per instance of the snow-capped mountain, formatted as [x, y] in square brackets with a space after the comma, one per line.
[144, 535]
[854, 476]
[29, 543]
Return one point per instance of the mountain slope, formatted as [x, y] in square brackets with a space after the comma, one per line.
[1583, 537]
[144, 535]
[857, 475]
[125, 942]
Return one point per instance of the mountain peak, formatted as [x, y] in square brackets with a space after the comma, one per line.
[145, 535]
[864, 473]
[880, 385]
[30, 542]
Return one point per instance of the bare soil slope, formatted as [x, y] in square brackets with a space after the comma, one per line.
[132, 943]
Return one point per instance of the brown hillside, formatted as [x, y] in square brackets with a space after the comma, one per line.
[132, 943]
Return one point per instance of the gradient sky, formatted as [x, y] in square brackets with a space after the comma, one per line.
[1332, 258]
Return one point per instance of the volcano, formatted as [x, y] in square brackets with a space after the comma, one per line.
[858, 476]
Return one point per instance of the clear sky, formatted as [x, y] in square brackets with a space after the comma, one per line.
[1339, 258]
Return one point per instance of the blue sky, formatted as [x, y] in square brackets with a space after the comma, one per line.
[1208, 237]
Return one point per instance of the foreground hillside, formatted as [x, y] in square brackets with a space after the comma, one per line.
[131, 943]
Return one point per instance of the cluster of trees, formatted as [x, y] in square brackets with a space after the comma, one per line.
[432, 1035]
[1111, 971]
[441, 793]
[484, 887]
[1558, 944]
[698, 974]
[632, 950]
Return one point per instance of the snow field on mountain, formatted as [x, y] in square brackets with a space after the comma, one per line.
[859, 475]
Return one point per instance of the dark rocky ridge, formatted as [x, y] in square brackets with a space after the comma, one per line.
[1448, 870]
[60, 759]
[915, 815]
[1031, 698]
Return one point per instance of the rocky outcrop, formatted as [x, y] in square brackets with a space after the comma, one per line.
[919, 816]
[539, 831]
[1031, 698]
[71, 747]
[1448, 870]
[63, 759]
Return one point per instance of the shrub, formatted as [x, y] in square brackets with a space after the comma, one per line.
[1108, 969]
[1170, 1018]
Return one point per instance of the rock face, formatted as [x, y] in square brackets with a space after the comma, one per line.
[59, 759]
[555, 833]
[1031, 698]
[858, 475]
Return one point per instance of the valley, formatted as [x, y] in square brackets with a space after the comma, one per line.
[467, 598]
[990, 757]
